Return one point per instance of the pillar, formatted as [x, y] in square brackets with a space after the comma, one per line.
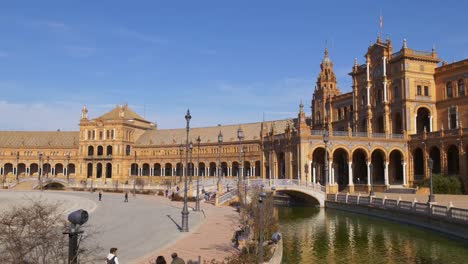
[404, 174]
[386, 173]
[415, 123]
[330, 173]
[430, 123]
[350, 173]
[368, 173]
[163, 172]
[368, 95]
[253, 172]
[63, 170]
[313, 175]
[385, 91]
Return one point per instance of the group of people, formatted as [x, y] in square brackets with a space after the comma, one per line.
[125, 197]
[113, 259]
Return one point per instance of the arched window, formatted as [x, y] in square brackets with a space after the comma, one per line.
[109, 150]
[449, 90]
[461, 87]
[100, 150]
[318, 117]
[128, 149]
[90, 151]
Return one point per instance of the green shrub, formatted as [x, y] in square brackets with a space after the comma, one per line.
[444, 184]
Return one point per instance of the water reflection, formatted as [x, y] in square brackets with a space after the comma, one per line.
[313, 235]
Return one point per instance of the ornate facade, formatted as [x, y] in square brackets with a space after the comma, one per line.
[403, 109]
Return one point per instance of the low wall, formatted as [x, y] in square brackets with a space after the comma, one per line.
[278, 254]
[455, 229]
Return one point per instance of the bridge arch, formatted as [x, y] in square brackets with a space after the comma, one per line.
[301, 196]
[54, 185]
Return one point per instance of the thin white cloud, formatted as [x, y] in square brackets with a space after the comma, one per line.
[134, 35]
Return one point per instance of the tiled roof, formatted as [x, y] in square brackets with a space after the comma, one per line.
[115, 114]
[209, 134]
[38, 139]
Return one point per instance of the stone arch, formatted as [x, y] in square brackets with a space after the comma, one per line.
[340, 168]
[54, 186]
[224, 169]
[360, 157]
[33, 169]
[257, 168]
[434, 154]
[378, 166]
[58, 169]
[21, 169]
[145, 169]
[395, 167]
[201, 169]
[71, 169]
[168, 169]
[134, 169]
[212, 169]
[179, 169]
[108, 170]
[8, 169]
[281, 168]
[418, 164]
[46, 169]
[235, 169]
[422, 119]
[247, 169]
[318, 158]
[453, 163]
[157, 169]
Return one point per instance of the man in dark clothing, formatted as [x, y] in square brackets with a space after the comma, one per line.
[126, 197]
[176, 259]
[100, 195]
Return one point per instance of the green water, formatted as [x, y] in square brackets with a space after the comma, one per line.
[312, 235]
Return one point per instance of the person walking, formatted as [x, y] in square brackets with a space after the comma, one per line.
[176, 259]
[112, 257]
[126, 197]
[100, 195]
[161, 260]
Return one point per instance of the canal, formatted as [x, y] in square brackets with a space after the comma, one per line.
[314, 235]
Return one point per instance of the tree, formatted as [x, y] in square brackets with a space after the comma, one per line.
[33, 233]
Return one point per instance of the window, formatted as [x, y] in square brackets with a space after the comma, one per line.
[461, 87]
[112, 134]
[453, 117]
[100, 135]
[419, 90]
[89, 135]
[426, 90]
[396, 92]
[94, 134]
[339, 114]
[107, 134]
[449, 90]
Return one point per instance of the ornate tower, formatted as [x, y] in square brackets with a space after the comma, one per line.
[325, 89]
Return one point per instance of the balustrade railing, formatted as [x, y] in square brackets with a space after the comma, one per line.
[450, 213]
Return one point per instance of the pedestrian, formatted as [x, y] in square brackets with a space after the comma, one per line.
[126, 197]
[100, 195]
[167, 192]
[176, 259]
[112, 257]
[177, 188]
[161, 260]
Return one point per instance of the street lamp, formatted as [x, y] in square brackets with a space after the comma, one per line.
[430, 162]
[134, 175]
[185, 212]
[240, 136]
[68, 162]
[220, 170]
[181, 151]
[325, 141]
[17, 161]
[191, 165]
[371, 170]
[197, 201]
[261, 198]
[40, 170]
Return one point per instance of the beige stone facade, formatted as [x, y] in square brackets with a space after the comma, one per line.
[403, 109]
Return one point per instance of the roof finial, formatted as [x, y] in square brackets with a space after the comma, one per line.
[405, 44]
[301, 107]
[433, 48]
[84, 112]
[355, 62]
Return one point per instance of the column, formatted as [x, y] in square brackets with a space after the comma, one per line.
[385, 91]
[252, 173]
[63, 170]
[415, 123]
[368, 95]
[162, 172]
[350, 173]
[404, 173]
[367, 65]
[330, 178]
[105, 137]
[313, 175]
[384, 66]
[333, 174]
[386, 173]
[368, 173]
[310, 171]
[430, 123]
[52, 171]
[28, 171]
[151, 171]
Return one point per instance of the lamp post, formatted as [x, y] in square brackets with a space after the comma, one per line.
[371, 170]
[17, 161]
[40, 170]
[68, 162]
[92, 173]
[50, 168]
[134, 175]
[325, 141]
[185, 212]
[220, 169]
[191, 165]
[240, 136]
[306, 171]
[197, 201]
[430, 162]
[181, 151]
[261, 198]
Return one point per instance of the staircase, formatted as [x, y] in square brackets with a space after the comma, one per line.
[24, 186]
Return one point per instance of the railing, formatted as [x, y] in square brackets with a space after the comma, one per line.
[397, 136]
[379, 135]
[340, 133]
[421, 53]
[227, 196]
[316, 132]
[359, 134]
[450, 213]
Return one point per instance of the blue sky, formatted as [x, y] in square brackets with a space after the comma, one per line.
[228, 61]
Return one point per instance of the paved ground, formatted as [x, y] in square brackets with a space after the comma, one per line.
[136, 228]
